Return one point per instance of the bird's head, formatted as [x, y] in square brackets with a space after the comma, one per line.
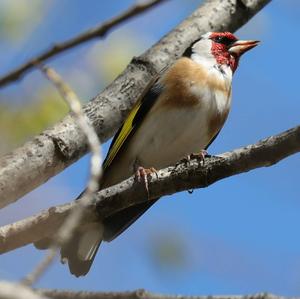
[221, 48]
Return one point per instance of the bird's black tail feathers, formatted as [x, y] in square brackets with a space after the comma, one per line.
[81, 250]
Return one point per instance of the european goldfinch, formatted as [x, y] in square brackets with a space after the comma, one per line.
[181, 112]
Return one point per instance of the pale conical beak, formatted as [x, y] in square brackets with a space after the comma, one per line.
[239, 47]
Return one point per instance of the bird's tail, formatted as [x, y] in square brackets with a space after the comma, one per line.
[81, 249]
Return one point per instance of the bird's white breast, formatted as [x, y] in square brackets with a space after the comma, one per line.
[171, 131]
[187, 115]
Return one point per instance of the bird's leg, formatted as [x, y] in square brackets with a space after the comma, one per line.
[142, 173]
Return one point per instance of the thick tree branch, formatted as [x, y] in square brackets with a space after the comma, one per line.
[49, 153]
[184, 176]
[93, 33]
[142, 294]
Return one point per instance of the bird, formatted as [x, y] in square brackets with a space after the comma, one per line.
[180, 112]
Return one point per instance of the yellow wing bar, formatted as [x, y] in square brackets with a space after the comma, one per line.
[122, 136]
[128, 124]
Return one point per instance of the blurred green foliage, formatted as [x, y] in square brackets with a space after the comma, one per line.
[111, 56]
[20, 118]
[101, 64]
[18, 18]
[34, 104]
[18, 123]
[168, 251]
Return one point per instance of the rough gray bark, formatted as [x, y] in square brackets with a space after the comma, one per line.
[185, 175]
[53, 150]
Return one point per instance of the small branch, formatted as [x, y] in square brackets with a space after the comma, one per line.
[65, 231]
[83, 122]
[184, 176]
[52, 151]
[93, 33]
[142, 294]
[9, 290]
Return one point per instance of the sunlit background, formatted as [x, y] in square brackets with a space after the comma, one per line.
[240, 235]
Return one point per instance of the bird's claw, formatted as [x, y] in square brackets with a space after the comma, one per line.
[142, 176]
[201, 156]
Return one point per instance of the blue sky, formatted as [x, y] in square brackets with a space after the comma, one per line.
[238, 236]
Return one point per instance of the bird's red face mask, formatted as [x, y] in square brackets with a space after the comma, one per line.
[227, 49]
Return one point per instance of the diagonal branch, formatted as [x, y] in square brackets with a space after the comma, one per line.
[184, 176]
[93, 33]
[52, 151]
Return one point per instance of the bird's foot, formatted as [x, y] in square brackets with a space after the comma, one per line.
[141, 175]
[187, 159]
[200, 155]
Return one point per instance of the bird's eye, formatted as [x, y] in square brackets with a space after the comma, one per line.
[223, 40]
[218, 39]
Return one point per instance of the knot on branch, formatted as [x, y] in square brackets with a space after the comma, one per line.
[144, 64]
[61, 147]
[247, 4]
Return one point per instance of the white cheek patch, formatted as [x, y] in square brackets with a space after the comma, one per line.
[208, 61]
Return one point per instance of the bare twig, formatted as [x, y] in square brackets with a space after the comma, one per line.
[9, 290]
[66, 230]
[38, 271]
[183, 176]
[93, 33]
[55, 149]
[142, 294]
